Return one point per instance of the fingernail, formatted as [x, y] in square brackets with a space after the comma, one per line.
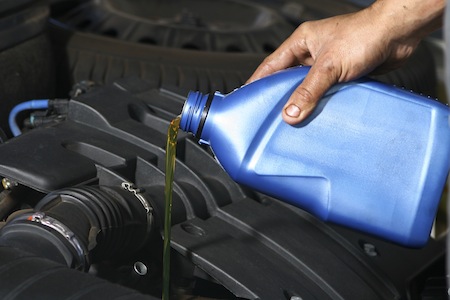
[293, 111]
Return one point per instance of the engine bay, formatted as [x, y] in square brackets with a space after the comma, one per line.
[83, 174]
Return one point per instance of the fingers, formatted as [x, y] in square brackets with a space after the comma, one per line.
[305, 48]
[275, 62]
[292, 52]
[322, 75]
[305, 98]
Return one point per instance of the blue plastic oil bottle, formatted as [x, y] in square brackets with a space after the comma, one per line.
[371, 156]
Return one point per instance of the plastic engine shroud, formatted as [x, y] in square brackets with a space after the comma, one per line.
[254, 246]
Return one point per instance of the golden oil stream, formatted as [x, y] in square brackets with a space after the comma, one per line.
[171, 147]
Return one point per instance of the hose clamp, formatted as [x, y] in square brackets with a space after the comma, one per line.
[128, 186]
[63, 230]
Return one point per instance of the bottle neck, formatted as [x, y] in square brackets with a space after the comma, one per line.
[194, 113]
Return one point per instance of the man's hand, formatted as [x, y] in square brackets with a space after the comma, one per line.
[342, 48]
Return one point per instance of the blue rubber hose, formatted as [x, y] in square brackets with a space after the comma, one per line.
[32, 104]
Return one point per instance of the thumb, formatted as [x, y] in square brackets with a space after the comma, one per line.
[306, 96]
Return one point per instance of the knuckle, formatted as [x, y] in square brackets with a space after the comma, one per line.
[326, 65]
[304, 27]
[303, 96]
[269, 65]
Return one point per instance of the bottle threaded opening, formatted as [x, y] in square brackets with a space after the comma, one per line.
[194, 113]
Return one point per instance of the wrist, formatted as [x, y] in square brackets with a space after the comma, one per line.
[407, 18]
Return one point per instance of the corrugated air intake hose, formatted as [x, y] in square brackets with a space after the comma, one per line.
[72, 228]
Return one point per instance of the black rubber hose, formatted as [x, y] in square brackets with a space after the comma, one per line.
[77, 226]
[26, 276]
[7, 204]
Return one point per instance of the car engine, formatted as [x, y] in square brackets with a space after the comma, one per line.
[89, 96]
